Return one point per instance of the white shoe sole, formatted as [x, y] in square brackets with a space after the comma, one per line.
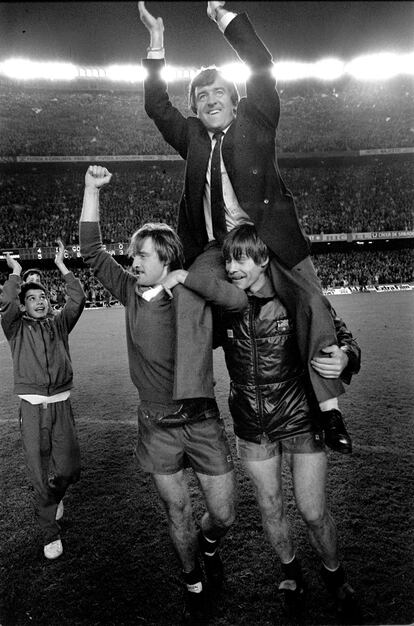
[53, 549]
[59, 511]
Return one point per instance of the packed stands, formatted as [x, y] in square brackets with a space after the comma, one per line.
[315, 117]
[39, 203]
[323, 133]
[355, 269]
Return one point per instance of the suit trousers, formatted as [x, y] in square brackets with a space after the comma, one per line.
[193, 375]
[300, 291]
[52, 456]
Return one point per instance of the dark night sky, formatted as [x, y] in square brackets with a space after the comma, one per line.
[100, 33]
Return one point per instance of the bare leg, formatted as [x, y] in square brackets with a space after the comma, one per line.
[309, 483]
[219, 496]
[173, 491]
[219, 493]
[266, 477]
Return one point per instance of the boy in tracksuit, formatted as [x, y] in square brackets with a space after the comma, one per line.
[43, 377]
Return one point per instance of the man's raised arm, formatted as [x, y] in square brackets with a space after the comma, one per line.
[155, 27]
[109, 273]
[220, 15]
[95, 178]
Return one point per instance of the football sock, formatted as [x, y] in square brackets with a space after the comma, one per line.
[208, 546]
[293, 571]
[193, 580]
[334, 578]
[327, 405]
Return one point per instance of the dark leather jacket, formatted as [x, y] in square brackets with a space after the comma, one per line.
[269, 391]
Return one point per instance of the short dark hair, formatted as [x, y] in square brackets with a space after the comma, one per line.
[166, 243]
[244, 240]
[207, 76]
[26, 287]
[32, 270]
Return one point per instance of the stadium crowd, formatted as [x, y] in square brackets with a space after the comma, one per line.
[357, 269]
[362, 268]
[315, 117]
[40, 203]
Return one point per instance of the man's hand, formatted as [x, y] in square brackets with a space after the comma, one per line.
[212, 9]
[154, 25]
[13, 264]
[97, 176]
[60, 254]
[331, 366]
[60, 258]
[173, 279]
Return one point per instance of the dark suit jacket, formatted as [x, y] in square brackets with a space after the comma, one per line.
[248, 150]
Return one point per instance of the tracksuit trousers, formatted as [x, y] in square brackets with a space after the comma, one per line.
[52, 456]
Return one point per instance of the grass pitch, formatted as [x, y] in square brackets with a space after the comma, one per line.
[118, 566]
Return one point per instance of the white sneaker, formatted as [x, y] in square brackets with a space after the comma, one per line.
[53, 550]
[59, 511]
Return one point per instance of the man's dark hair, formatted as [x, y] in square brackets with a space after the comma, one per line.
[26, 287]
[244, 241]
[32, 270]
[166, 243]
[207, 76]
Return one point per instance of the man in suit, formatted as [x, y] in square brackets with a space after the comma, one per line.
[241, 134]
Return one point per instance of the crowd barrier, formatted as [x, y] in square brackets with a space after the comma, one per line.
[339, 291]
[344, 291]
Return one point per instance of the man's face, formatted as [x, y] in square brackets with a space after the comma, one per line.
[36, 303]
[146, 264]
[246, 274]
[214, 106]
[33, 278]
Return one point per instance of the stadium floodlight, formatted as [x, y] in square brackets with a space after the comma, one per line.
[172, 73]
[236, 72]
[375, 66]
[325, 69]
[406, 63]
[25, 69]
[328, 69]
[126, 73]
[379, 66]
[91, 72]
[291, 70]
[184, 73]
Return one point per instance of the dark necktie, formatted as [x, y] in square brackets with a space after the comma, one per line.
[217, 203]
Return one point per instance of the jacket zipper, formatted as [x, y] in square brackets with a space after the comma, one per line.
[252, 312]
[47, 362]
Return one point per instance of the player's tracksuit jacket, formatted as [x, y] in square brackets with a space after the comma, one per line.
[40, 348]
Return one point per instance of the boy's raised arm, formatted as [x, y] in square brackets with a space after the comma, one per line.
[9, 297]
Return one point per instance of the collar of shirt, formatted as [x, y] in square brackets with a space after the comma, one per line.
[267, 291]
[211, 134]
[149, 293]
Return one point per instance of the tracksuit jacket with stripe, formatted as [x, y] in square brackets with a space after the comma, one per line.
[40, 348]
